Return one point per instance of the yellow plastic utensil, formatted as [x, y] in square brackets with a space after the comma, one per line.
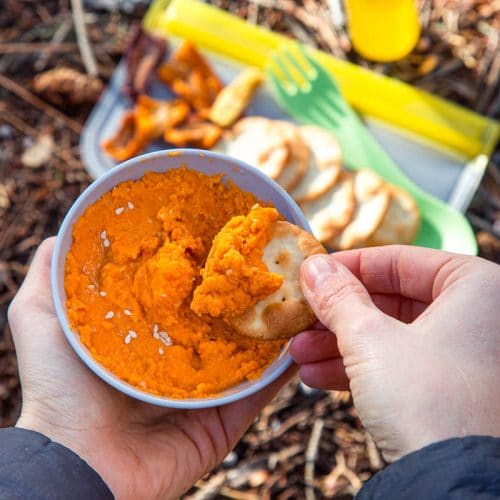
[383, 30]
[308, 93]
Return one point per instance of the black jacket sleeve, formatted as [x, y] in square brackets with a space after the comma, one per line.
[34, 467]
[452, 469]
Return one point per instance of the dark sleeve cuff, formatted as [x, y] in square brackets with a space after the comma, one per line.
[453, 469]
[33, 466]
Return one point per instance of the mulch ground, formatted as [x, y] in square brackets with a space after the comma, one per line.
[306, 444]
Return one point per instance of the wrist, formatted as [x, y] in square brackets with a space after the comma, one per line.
[47, 428]
[71, 439]
[77, 440]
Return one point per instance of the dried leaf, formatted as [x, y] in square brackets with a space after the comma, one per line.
[39, 153]
[429, 64]
[66, 86]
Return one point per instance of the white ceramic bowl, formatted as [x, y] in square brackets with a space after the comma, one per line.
[244, 176]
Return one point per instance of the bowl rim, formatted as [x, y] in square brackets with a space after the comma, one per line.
[58, 267]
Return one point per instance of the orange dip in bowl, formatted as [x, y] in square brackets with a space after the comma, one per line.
[130, 274]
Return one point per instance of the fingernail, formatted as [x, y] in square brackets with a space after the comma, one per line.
[317, 271]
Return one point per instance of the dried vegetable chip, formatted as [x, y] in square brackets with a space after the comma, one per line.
[143, 55]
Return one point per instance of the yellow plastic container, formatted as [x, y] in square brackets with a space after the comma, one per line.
[383, 30]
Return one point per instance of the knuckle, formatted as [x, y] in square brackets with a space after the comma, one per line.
[337, 293]
[14, 310]
[47, 244]
[360, 323]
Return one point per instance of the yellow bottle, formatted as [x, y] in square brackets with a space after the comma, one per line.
[383, 30]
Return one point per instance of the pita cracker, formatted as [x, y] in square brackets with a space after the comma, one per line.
[285, 312]
[298, 160]
[324, 166]
[372, 203]
[329, 214]
[259, 142]
[401, 222]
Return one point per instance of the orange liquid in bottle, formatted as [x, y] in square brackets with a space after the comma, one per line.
[383, 30]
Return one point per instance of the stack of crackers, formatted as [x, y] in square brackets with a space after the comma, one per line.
[346, 209]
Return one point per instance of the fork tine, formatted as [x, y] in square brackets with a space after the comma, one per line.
[294, 61]
[283, 89]
[289, 80]
[320, 71]
[301, 61]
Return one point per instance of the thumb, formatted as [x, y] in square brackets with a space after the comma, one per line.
[36, 286]
[32, 308]
[338, 298]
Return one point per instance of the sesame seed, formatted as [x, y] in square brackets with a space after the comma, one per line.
[127, 339]
[161, 351]
[103, 235]
[102, 294]
[132, 334]
[109, 315]
[106, 243]
[156, 335]
[164, 337]
[91, 287]
[155, 328]
[127, 312]
[255, 206]
[130, 205]
[119, 210]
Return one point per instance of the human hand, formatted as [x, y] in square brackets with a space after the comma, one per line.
[418, 332]
[140, 451]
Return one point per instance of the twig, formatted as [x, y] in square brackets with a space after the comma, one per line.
[298, 31]
[253, 13]
[33, 48]
[491, 83]
[83, 39]
[283, 455]
[351, 476]
[210, 489]
[481, 223]
[238, 495]
[56, 40]
[32, 99]
[374, 457]
[330, 481]
[311, 455]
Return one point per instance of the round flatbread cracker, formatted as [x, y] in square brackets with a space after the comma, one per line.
[325, 164]
[298, 160]
[260, 142]
[332, 212]
[372, 202]
[401, 222]
[285, 312]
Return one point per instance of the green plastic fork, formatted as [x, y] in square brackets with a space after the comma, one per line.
[307, 92]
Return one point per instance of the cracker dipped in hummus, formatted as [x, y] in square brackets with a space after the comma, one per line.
[140, 293]
[251, 276]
